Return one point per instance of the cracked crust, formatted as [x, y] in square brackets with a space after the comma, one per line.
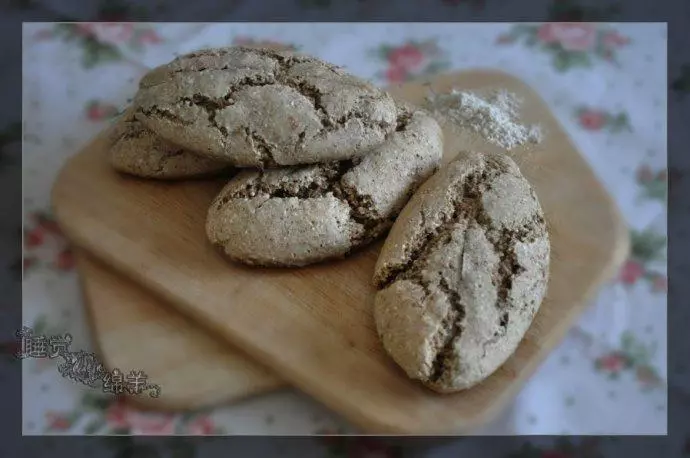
[295, 216]
[137, 151]
[261, 107]
[462, 273]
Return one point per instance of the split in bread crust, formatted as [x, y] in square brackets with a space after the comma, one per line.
[462, 273]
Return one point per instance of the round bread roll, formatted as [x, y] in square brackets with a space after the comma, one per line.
[462, 273]
[136, 150]
[301, 215]
[264, 108]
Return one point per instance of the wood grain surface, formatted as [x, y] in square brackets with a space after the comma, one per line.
[133, 330]
[313, 326]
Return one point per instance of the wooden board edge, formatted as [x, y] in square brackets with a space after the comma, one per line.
[615, 261]
[162, 404]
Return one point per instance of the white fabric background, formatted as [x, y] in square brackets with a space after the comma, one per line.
[567, 395]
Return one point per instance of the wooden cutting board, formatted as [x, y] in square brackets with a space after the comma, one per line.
[133, 330]
[313, 326]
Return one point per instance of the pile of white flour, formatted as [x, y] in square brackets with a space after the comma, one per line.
[494, 116]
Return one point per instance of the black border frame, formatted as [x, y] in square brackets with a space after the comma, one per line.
[675, 15]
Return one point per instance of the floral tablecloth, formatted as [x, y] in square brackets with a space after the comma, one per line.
[606, 83]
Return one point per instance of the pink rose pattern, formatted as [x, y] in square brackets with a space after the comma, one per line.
[571, 37]
[115, 415]
[633, 357]
[594, 119]
[202, 425]
[121, 417]
[103, 42]
[572, 44]
[653, 183]
[410, 60]
[57, 421]
[97, 110]
[9, 349]
[45, 245]
[647, 248]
